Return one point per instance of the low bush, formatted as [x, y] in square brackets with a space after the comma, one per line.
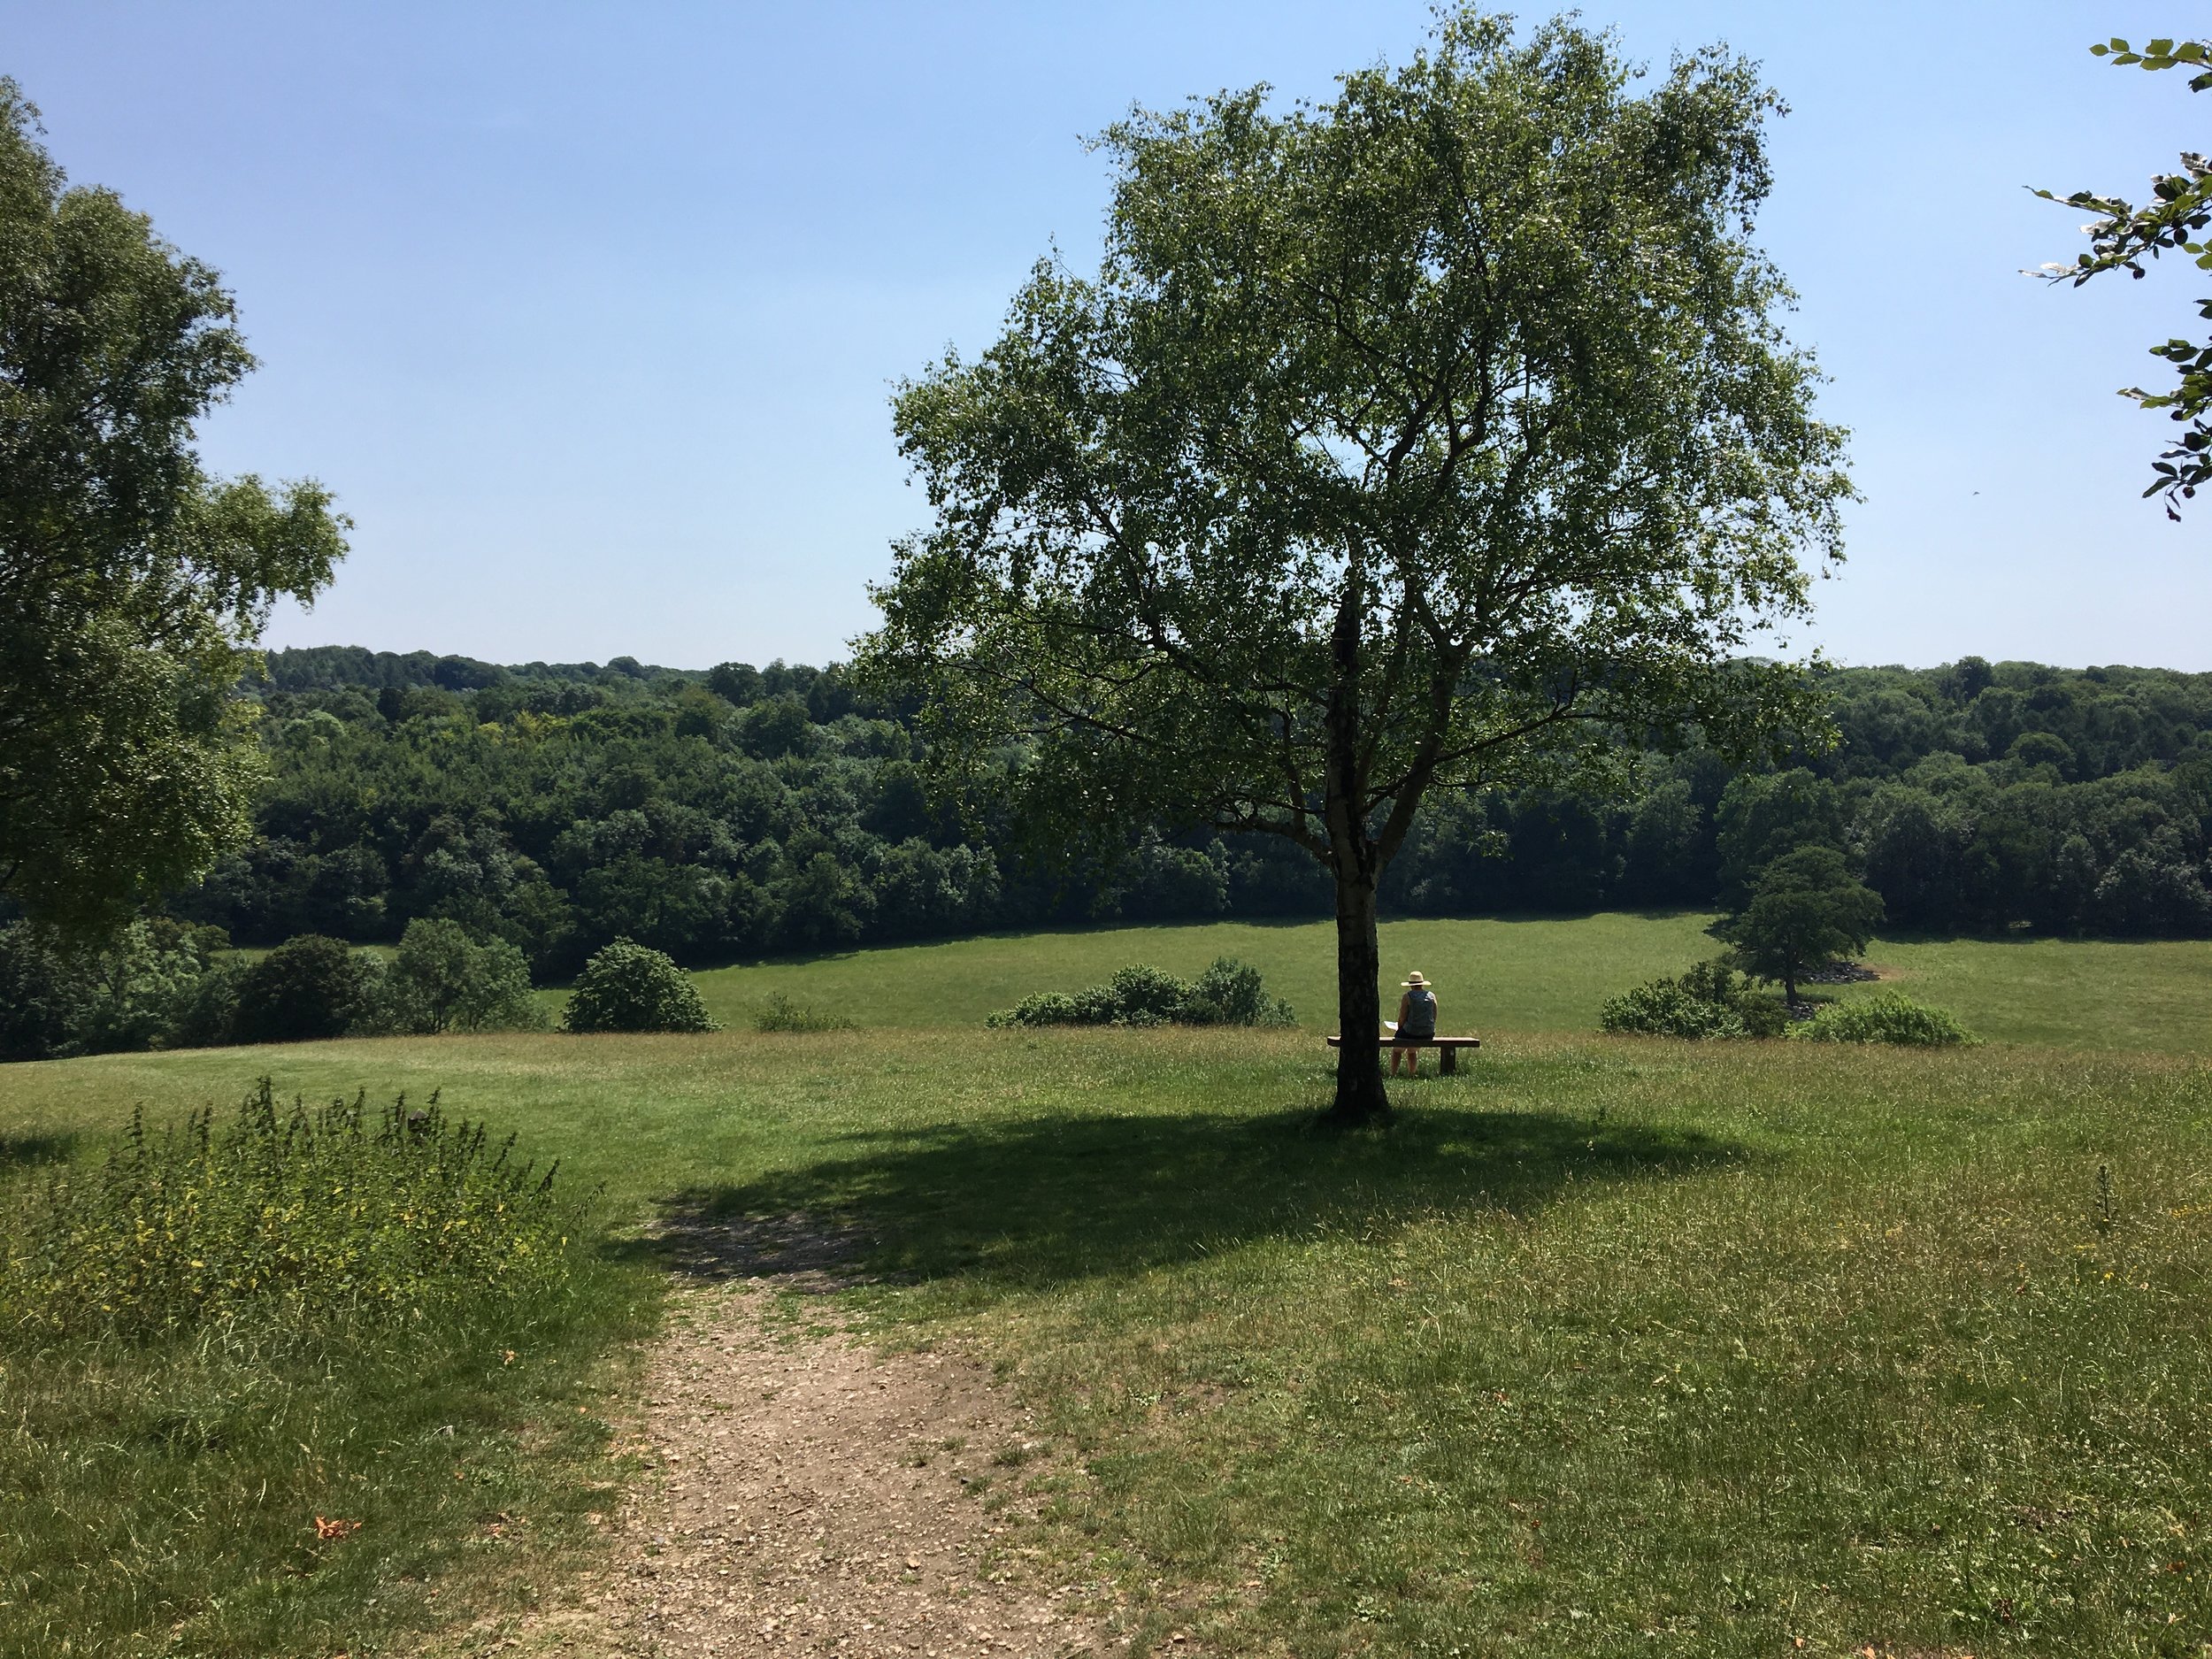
[1228, 993]
[1710, 1000]
[1232, 993]
[287, 1221]
[780, 1013]
[1886, 1016]
[627, 987]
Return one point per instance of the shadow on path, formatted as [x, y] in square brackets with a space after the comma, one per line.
[1048, 1200]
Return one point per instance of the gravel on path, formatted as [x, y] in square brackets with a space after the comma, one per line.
[807, 1494]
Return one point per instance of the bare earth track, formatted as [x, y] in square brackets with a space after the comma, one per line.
[807, 1495]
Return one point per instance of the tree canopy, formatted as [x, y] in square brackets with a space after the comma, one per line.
[1414, 441]
[2123, 235]
[132, 584]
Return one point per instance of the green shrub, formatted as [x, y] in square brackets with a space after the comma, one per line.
[1886, 1016]
[208, 1017]
[1232, 993]
[627, 987]
[1665, 1008]
[129, 991]
[1094, 1007]
[441, 979]
[1147, 996]
[1229, 992]
[279, 1221]
[780, 1013]
[309, 987]
[1709, 1000]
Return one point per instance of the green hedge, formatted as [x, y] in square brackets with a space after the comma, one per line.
[1709, 1000]
[1886, 1016]
[1229, 992]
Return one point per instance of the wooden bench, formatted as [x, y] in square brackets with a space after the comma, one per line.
[1447, 1047]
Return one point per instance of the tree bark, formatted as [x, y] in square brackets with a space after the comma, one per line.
[1360, 1096]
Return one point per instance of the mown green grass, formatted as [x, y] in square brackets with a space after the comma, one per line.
[1608, 1345]
[1504, 975]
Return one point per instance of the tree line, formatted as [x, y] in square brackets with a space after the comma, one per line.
[750, 811]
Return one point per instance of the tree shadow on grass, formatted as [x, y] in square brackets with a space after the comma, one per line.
[1054, 1199]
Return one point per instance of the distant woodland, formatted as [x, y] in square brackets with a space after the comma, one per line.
[745, 811]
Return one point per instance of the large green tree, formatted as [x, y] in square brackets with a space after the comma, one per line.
[132, 584]
[2174, 220]
[1403, 443]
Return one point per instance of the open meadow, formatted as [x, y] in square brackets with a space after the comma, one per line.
[1608, 1345]
[1511, 974]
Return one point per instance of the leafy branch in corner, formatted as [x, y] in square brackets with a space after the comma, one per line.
[2124, 235]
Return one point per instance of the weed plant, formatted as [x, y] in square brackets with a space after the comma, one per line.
[292, 1221]
[267, 1376]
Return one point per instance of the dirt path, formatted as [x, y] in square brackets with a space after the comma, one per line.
[807, 1495]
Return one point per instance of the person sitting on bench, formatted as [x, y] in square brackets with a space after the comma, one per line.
[1417, 1022]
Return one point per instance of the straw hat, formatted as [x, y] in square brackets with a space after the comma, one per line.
[1413, 979]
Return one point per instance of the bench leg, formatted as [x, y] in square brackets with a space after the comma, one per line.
[1447, 1062]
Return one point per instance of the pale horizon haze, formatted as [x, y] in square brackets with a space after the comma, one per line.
[591, 316]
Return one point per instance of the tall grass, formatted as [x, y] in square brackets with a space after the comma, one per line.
[264, 1374]
[281, 1222]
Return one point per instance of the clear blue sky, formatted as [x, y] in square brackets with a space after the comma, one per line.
[590, 314]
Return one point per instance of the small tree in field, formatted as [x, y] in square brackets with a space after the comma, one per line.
[629, 987]
[309, 987]
[441, 979]
[1414, 441]
[1806, 909]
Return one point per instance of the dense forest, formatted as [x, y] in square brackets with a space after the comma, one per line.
[743, 812]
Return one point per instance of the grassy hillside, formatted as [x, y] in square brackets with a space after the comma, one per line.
[1493, 975]
[1608, 1345]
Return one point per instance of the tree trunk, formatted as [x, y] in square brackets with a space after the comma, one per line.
[1360, 1096]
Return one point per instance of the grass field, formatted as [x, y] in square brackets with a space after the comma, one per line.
[1608, 1345]
[1506, 976]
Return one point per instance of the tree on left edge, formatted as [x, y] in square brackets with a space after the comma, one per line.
[132, 585]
